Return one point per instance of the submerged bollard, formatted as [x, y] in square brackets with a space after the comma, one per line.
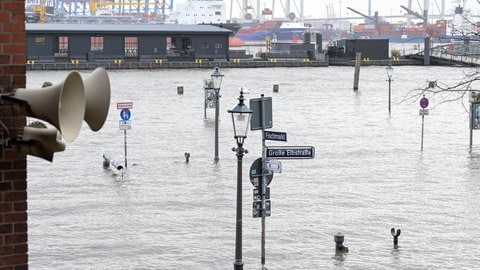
[180, 90]
[275, 88]
[339, 247]
[108, 161]
[187, 157]
[395, 235]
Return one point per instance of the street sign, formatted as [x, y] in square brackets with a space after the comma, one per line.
[125, 124]
[257, 209]
[125, 114]
[257, 196]
[276, 136]
[424, 102]
[274, 166]
[256, 107]
[256, 173]
[423, 112]
[290, 152]
[125, 105]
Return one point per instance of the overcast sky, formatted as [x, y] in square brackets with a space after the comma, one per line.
[318, 8]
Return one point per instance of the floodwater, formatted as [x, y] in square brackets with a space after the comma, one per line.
[368, 175]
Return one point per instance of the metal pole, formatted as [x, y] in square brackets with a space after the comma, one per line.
[389, 93]
[238, 264]
[472, 115]
[125, 143]
[423, 118]
[217, 101]
[263, 184]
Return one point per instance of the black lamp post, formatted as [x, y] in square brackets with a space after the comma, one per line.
[217, 83]
[389, 70]
[241, 118]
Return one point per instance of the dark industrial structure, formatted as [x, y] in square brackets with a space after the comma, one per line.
[120, 42]
[372, 49]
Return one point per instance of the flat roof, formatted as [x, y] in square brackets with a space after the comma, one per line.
[123, 28]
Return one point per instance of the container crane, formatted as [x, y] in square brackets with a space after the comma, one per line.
[374, 19]
[95, 5]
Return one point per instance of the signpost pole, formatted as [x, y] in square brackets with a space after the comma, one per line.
[423, 111]
[125, 115]
[263, 184]
[423, 118]
[472, 122]
[125, 142]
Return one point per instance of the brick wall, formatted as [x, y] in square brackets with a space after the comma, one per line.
[13, 171]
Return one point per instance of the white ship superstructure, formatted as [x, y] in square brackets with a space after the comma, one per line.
[199, 11]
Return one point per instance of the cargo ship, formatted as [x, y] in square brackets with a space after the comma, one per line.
[273, 30]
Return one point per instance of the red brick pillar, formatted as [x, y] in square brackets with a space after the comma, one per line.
[13, 166]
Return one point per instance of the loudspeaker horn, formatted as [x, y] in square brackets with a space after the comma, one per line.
[39, 140]
[97, 95]
[62, 105]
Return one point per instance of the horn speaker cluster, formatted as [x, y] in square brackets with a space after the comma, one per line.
[65, 106]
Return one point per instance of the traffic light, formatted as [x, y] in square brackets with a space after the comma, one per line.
[64, 105]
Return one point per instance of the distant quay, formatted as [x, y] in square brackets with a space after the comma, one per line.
[236, 63]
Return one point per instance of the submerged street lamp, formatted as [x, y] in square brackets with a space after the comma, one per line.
[217, 83]
[389, 70]
[241, 115]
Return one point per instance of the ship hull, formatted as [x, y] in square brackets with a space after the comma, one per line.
[274, 35]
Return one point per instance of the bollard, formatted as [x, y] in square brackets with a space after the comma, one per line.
[180, 90]
[108, 161]
[395, 235]
[339, 247]
[275, 88]
[187, 157]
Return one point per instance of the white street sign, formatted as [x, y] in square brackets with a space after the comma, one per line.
[275, 166]
[423, 112]
[125, 124]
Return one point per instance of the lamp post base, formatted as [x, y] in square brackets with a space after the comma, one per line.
[238, 265]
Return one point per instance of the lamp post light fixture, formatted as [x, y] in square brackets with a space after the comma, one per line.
[217, 77]
[241, 115]
[389, 70]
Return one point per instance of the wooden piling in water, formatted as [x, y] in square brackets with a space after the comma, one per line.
[356, 76]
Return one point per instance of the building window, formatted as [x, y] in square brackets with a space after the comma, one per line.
[96, 44]
[131, 46]
[61, 46]
[40, 40]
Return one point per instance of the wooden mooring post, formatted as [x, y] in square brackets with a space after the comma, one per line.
[356, 76]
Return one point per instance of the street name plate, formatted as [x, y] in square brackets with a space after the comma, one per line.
[290, 152]
[276, 136]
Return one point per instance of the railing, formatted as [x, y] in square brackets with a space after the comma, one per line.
[464, 54]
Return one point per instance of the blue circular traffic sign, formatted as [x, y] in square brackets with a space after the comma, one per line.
[424, 102]
[125, 114]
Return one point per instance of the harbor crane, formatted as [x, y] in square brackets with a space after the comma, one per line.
[374, 19]
[94, 5]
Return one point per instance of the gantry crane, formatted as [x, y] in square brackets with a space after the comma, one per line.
[133, 6]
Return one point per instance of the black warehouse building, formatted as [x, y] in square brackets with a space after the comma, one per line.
[122, 42]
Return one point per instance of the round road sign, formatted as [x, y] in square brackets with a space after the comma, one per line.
[256, 173]
[125, 114]
[424, 102]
